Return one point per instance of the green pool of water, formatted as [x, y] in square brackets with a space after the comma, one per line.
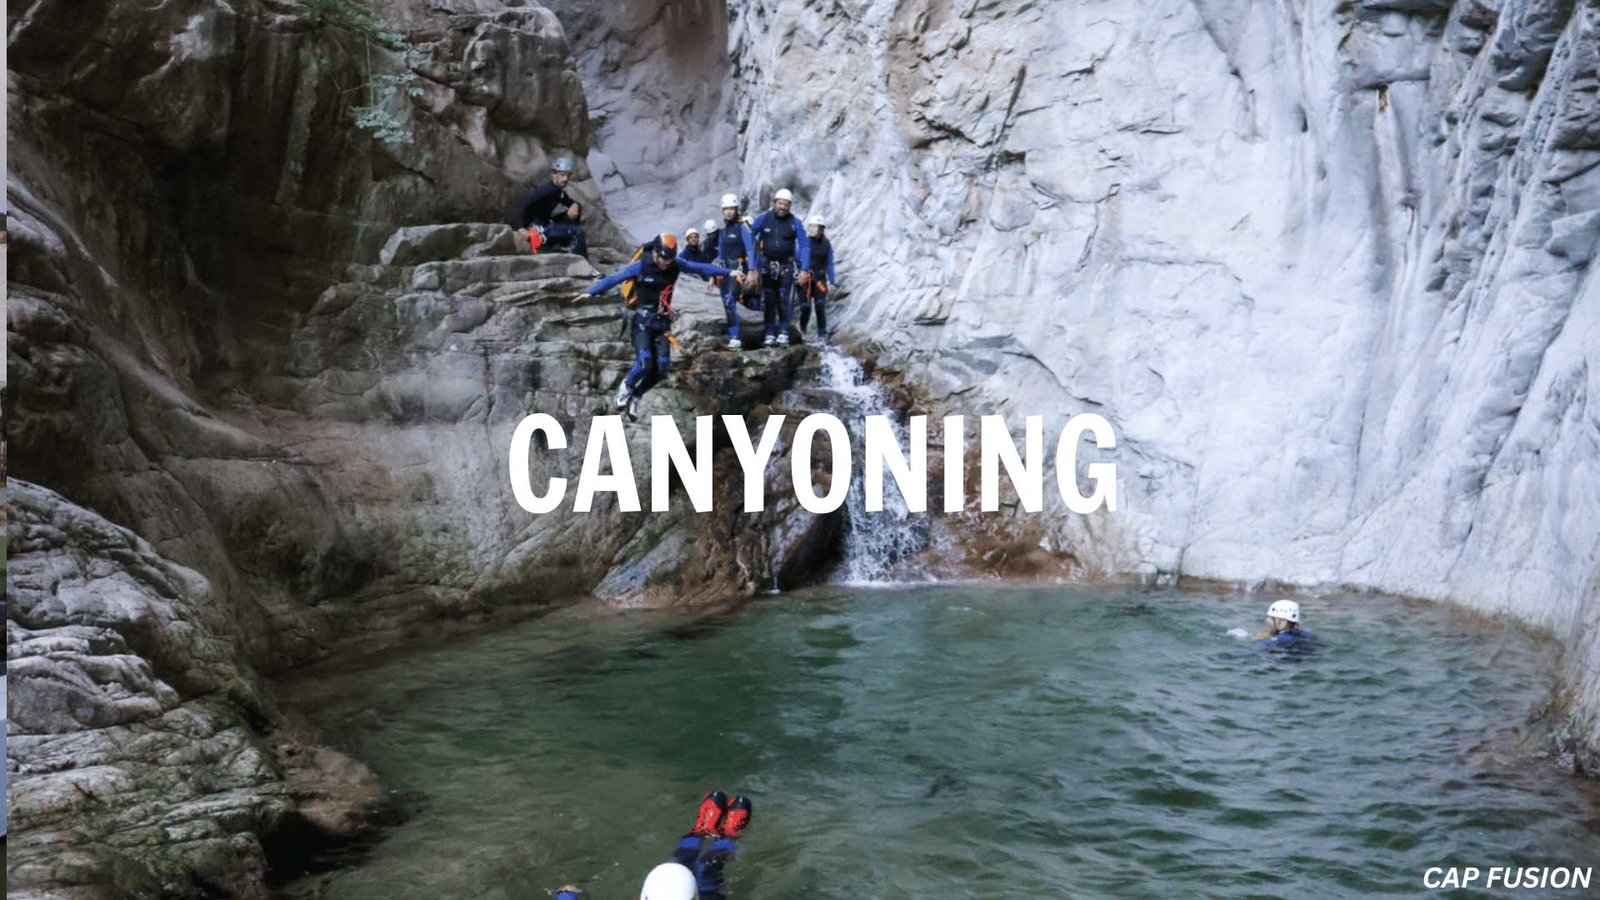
[963, 741]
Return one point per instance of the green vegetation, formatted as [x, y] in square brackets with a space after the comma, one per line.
[355, 20]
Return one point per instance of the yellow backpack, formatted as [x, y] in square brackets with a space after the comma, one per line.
[630, 291]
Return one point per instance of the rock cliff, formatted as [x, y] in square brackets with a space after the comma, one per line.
[1329, 268]
[258, 416]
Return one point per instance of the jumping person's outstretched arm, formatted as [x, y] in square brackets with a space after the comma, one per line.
[704, 270]
[631, 270]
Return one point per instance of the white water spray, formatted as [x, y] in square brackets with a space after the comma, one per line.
[874, 542]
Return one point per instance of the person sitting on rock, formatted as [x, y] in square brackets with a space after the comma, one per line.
[551, 210]
[695, 872]
[734, 249]
[654, 275]
[780, 243]
[820, 269]
[1283, 628]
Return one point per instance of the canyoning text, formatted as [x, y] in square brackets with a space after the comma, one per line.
[608, 468]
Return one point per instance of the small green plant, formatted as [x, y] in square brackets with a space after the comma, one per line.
[356, 19]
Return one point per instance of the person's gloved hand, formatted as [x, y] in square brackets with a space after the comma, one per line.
[574, 211]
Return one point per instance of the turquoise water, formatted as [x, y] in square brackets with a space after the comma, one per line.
[963, 741]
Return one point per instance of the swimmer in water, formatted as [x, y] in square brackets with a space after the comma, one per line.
[695, 872]
[1283, 628]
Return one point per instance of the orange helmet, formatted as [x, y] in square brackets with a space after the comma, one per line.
[668, 242]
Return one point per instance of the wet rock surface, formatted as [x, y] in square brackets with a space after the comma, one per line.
[1332, 277]
[266, 368]
[138, 758]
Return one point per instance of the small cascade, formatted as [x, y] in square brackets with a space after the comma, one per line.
[874, 542]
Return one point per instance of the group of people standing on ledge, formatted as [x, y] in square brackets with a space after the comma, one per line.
[771, 264]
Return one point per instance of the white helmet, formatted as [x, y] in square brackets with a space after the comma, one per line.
[692, 231]
[730, 201]
[783, 195]
[1288, 610]
[669, 881]
[710, 226]
[817, 220]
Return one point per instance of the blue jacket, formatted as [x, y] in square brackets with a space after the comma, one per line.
[1299, 639]
[772, 228]
[727, 245]
[666, 276]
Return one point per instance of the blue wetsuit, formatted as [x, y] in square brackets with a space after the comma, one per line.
[821, 269]
[781, 242]
[652, 318]
[706, 860]
[705, 857]
[1298, 639]
[733, 248]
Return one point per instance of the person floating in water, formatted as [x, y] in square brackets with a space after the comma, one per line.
[1283, 628]
[695, 872]
[652, 275]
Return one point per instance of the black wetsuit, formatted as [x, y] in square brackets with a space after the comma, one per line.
[539, 207]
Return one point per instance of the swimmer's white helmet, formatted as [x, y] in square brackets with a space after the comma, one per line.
[783, 195]
[669, 881]
[730, 201]
[710, 226]
[1288, 610]
[817, 220]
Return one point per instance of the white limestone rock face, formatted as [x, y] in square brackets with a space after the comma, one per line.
[663, 148]
[1328, 269]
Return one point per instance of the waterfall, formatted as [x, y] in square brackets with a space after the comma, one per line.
[874, 542]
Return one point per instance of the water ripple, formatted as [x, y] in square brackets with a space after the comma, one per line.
[965, 741]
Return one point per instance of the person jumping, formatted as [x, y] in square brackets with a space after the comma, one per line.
[654, 275]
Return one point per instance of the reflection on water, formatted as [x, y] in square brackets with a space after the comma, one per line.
[963, 741]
